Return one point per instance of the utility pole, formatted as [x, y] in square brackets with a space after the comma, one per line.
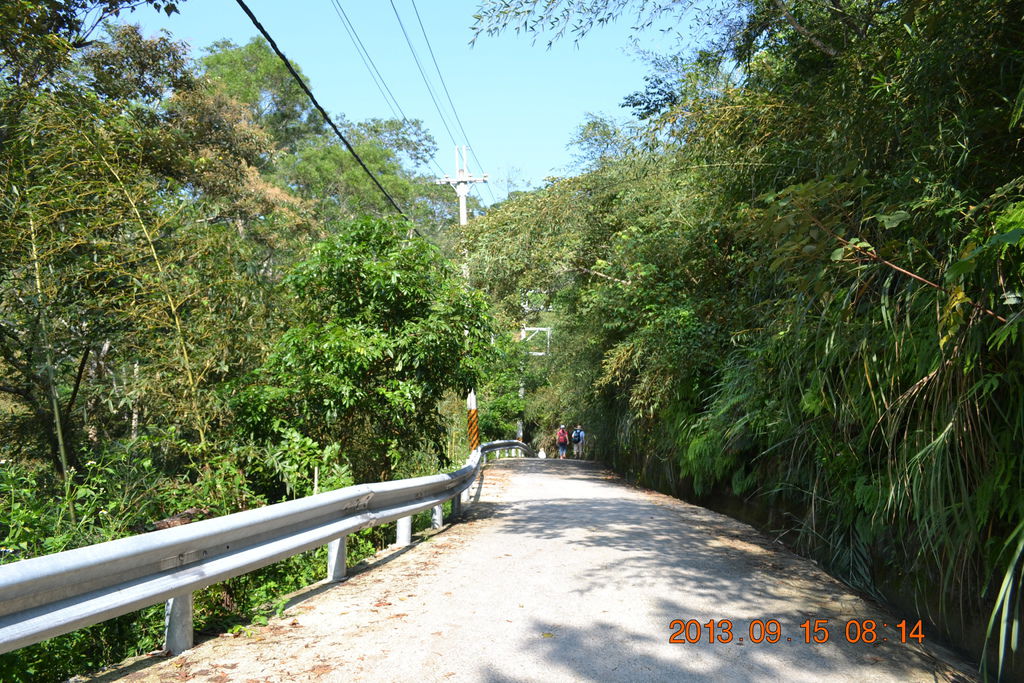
[462, 182]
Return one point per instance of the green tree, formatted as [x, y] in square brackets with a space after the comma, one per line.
[39, 36]
[311, 162]
[254, 76]
[146, 241]
[385, 327]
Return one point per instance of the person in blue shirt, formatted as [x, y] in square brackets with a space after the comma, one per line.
[577, 438]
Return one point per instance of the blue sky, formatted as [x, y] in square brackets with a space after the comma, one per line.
[520, 103]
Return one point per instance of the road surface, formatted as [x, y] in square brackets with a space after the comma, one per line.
[563, 572]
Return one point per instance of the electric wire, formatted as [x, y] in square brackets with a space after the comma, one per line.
[323, 112]
[375, 74]
[389, 96]
[423, 74]
[444, 85]
[430, 48]
[363, 55]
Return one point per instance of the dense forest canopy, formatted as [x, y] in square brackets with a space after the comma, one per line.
[789, 276]
[795, 277]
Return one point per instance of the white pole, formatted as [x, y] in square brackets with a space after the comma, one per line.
[522, 390]
[403, 532]
[463, 190]
[462, 182]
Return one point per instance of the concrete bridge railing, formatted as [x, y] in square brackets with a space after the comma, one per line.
[47, 596]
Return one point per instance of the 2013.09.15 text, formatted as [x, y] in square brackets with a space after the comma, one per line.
[811, 631]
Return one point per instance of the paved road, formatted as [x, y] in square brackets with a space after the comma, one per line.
[564, 573]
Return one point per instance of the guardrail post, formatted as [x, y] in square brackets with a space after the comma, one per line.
[436, 517]
[403, 531]
[457, 506]
[178, 624]
[336, 557]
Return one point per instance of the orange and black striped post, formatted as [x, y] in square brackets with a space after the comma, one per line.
[473, 429]
[473, 424]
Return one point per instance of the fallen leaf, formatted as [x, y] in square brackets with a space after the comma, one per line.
[547, 635]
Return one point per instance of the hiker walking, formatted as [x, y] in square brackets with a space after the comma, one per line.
[577, 437]
[562, 441]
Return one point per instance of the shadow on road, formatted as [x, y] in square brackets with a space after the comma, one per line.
[716, 568]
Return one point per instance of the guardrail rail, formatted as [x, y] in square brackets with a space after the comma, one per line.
[46, 596]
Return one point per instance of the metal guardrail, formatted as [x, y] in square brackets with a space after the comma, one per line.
[43, 597]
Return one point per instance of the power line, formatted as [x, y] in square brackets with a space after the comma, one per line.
[323, 112]
[371, 67]
[423, 74]
[386, 91]
[438, 69]
[444, 85]
[367, 60]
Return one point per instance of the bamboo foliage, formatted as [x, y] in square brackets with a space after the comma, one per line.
[164, 309]
[817, 261]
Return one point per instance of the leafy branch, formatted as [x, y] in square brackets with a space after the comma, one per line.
[867, 252]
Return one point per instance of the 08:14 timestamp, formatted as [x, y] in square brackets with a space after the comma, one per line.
[770, 631]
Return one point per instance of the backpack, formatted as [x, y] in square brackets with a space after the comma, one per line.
[562, 437]
[577, 436]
